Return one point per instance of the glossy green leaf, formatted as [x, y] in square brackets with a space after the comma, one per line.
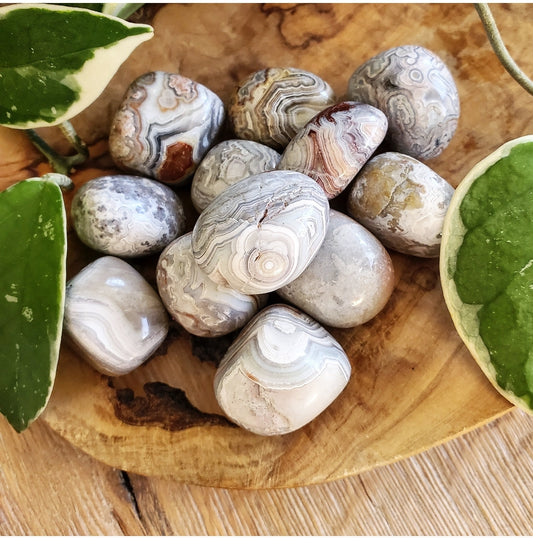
[32, 293]
[63, 59]
[487, 267]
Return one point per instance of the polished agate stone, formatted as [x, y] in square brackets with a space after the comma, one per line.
[350, 279]
[201, 306]
[127, 216]
[417, 93]
[403, 202]
[271, 105]
[225, 164]
[164, 126]
[281, 372]
[113, 316]
[262, 232]
[335, 145]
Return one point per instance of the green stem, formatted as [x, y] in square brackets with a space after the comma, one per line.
[60, 180]
[500, 49]
[61, 164]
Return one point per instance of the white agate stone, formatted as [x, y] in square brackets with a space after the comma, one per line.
[403, 202]
[281, 372]
[350, 279]
[417, 93]
[335, 145]
[201, 306]
[261, 232]
[164, 126]
[225, 164]
[127, 216]
[114, 316]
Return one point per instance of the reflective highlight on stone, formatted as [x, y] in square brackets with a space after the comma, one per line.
[335, 145]
[164, 126]
[261, 232]
[114, 316]
[201, 306]
[350, 279]
[225, 164]
[127, 216]
[403, 202]
[417, 93]
[271, 105]
[281, 372]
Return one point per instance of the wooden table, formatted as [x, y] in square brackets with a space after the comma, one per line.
[479, 483]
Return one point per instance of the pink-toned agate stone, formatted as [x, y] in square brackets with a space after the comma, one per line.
[164, 126]
[333, 146]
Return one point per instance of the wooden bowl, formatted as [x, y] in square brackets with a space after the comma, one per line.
[414, 384]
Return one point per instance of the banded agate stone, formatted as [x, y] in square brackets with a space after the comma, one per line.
[201, 306]
[113, 316]
[262, 232]
[271, 105]
[164, 126]
[417, 93]
[225, 164]
[281, 372]
[335, 144]
[349, 281]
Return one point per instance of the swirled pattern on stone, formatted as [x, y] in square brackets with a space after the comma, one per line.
[335, 144]
[403, 202]
[417, 93]
[350, 279]
[201, 306]
[114, 316]
[164, 126]
[271, 105]
[281, 372]
[225, 164]
[261, 232]
[127, 216]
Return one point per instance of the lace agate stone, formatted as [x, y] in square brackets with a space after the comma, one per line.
[262, 232]
[201, 306]
[417, 93]
[164, 126]
[335, 145]
[225, 164]
[271, 105]
[350, 279]
[403, 202]
[127, 216]
[281, 372]
[114, 316]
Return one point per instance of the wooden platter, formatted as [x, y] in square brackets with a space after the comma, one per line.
[414, 384]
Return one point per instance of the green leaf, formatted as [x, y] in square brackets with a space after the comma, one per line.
[487, 267]
[63, 59]
[32, 293]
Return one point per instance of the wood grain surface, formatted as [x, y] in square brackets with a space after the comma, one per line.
[479, 483]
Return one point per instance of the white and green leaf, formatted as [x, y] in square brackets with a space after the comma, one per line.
[56, 60]
[32, 293]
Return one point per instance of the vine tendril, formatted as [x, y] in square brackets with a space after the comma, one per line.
[500, 49]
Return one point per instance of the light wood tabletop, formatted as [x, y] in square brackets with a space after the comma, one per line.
[478, 482]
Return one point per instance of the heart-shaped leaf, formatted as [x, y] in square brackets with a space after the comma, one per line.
[56, 60]
[32, 293]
